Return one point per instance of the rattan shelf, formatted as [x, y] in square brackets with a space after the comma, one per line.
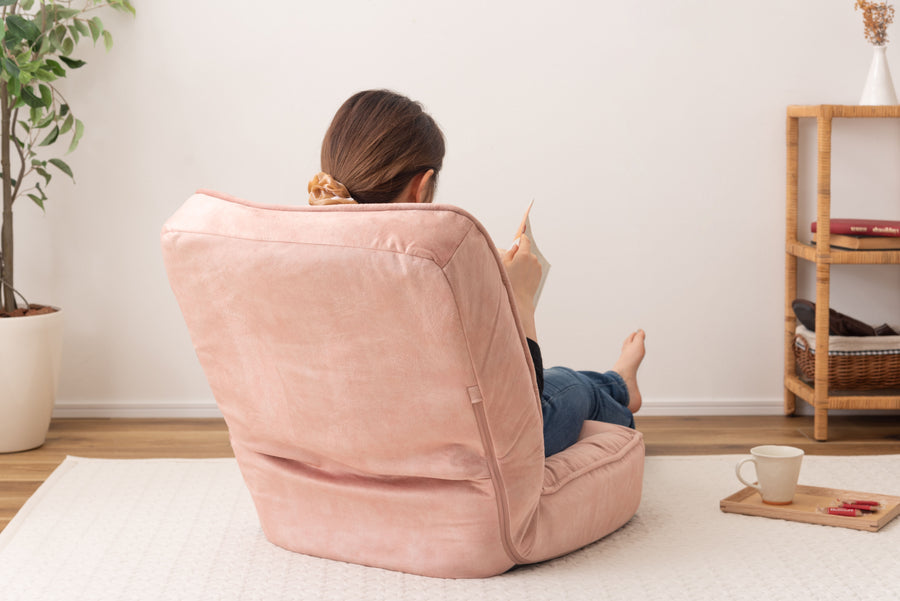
[844, 257]
[823, 256]
[844, 111]
[850, 399]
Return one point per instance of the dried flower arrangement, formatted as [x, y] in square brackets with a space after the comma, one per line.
[876, 17]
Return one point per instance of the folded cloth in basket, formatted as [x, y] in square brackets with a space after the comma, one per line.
[854, 345]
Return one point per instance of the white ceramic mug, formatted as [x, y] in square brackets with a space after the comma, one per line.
[777, 469]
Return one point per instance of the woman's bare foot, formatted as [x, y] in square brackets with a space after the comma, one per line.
[627, 366]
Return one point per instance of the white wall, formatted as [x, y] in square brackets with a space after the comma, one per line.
[651, 135]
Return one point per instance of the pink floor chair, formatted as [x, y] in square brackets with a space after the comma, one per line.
[378, 389]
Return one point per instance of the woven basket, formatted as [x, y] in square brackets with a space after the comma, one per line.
[848, 372]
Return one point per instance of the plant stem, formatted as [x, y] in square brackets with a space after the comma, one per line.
[21, 152]
[6, 236]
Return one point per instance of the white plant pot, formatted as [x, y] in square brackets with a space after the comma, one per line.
[30, 351]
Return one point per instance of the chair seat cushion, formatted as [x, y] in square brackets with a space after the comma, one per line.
[590, 489]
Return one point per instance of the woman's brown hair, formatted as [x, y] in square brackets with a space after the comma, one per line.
[378, 142]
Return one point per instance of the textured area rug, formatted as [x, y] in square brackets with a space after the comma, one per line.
[186, 529]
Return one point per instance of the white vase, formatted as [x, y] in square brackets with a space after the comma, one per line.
[30, 350]
[879, 88]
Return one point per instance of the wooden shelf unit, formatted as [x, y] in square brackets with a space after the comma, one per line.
[823, 256]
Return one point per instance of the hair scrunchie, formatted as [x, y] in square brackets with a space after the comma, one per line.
[325, 190]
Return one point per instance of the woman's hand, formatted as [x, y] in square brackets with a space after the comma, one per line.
[523, 268]
[524, 273]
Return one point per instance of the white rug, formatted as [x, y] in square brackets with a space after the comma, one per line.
[186, 529]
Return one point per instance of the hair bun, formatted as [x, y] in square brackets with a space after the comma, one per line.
[325, 190]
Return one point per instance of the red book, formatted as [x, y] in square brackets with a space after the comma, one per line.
[864, 227]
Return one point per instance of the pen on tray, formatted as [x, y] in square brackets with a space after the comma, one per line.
[844, 511]
[874, 505]
[863, 508]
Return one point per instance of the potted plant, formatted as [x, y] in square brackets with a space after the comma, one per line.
[37, 38]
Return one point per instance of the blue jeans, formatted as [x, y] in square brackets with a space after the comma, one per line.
[570, 397]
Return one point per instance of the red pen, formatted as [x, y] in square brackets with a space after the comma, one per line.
[861, 507]
[875, 504]
[844, 511]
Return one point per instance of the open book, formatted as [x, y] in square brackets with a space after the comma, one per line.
[525, 229]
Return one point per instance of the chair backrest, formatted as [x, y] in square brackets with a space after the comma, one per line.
[374, 377]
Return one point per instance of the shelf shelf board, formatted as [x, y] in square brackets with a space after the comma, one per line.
[801, 250]
[839, 256]
[845, 111]
[845, 399]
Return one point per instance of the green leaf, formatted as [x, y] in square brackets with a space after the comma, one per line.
[44, 47]
[45, 174]
[47, 120]
[62, 166]
[82, 27]
[76, 137]
[72, 63]
[10, 38]
[10, 67]
[55, 67]
[23, 28]
[96, 27]
[61, 13]
[51, 137]
[46, 94]
[25, 66]
[37, 200]
[76, 35]
[67, 46]
[44, 75]
[67, 124]
[41, 168]
[57, 36]
[27, 4]
[107, 40]
[7, 2]
[63, 110]
[30, 99]
[122, 5]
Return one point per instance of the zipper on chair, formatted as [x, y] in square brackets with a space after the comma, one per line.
[496, 477]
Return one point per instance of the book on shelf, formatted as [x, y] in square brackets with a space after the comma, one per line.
[863, 227]
[863, 242]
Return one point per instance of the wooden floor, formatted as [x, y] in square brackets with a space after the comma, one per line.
[22, 473]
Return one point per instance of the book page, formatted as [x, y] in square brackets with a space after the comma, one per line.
[525, 229]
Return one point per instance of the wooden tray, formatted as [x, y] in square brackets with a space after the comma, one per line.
[806, 501]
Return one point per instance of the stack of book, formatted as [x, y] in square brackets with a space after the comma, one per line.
[863, 234]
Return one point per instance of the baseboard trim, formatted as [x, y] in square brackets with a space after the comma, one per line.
[208, 408]
[707, 406]
[137, 409]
